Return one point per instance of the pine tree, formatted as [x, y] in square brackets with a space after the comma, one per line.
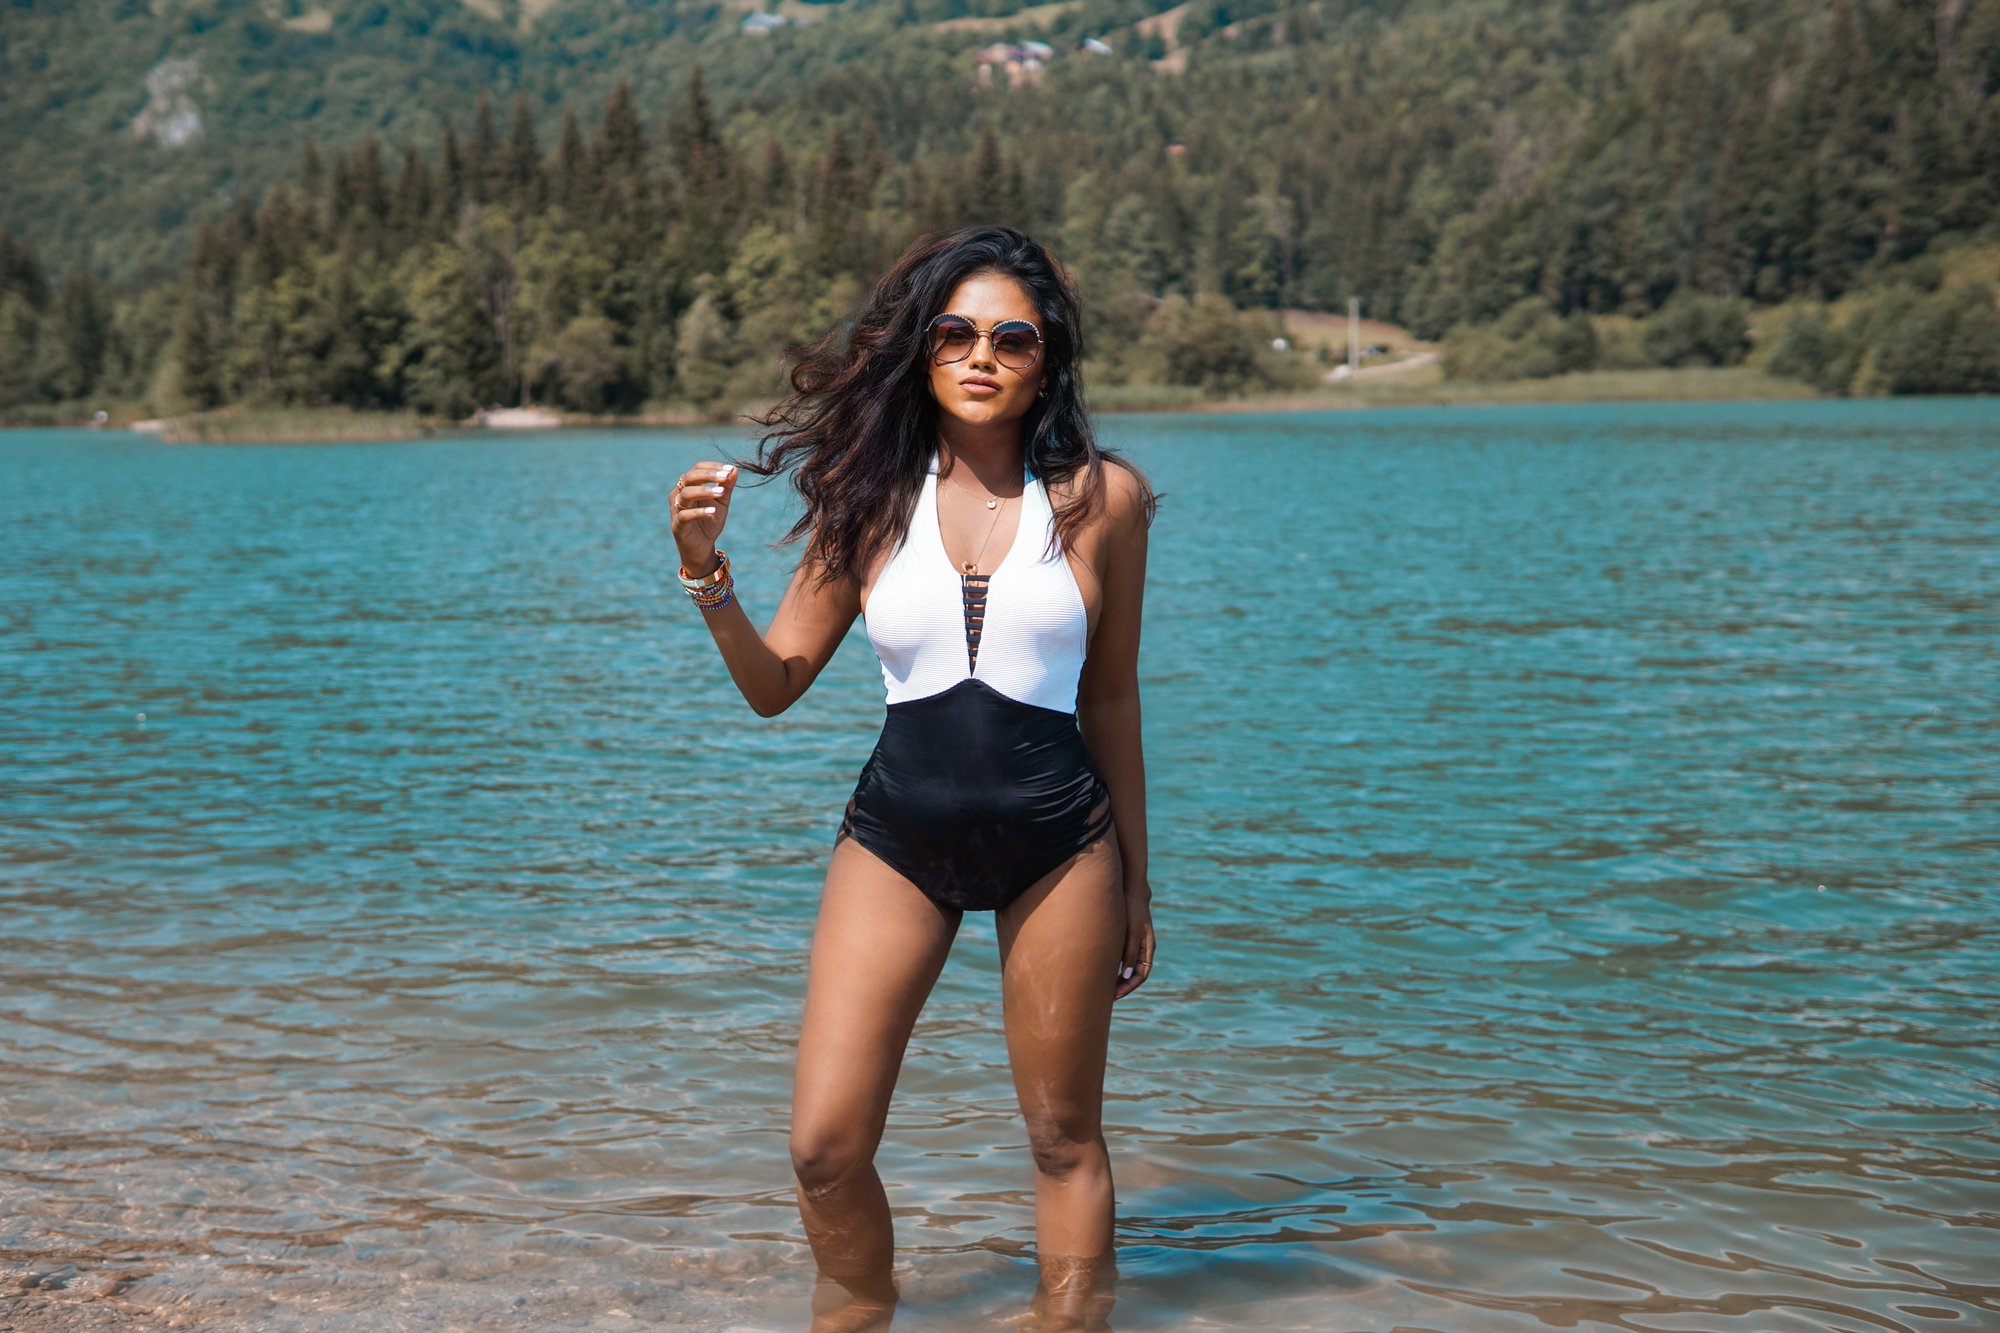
[483, 165]
[415, 199]
[575, 182]
[774, 182]
[526, 186]
[696, 148]
[455, 188]
[20, 350]
[21, 273]
[368, 196]
[1844, 235]
[832, 207]
[202, 324]
[278, 243]
[983, 191]
[314, 214]
[618, 151]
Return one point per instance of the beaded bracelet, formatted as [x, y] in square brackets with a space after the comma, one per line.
[714, 599]
[711, 593]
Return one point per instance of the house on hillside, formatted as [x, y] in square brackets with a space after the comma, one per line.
[1018, 62]
[763, 22]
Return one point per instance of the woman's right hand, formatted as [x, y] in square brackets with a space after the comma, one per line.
[700, 506]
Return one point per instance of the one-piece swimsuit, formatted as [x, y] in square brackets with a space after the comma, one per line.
[981, 783]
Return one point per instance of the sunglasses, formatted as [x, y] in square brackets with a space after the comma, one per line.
[1017, 344]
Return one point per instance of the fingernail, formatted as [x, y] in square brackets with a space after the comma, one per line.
[709, 510]
[726, 470]
[716, 489]
[1127, 973]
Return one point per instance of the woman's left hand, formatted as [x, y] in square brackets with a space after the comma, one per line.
[1137, 961]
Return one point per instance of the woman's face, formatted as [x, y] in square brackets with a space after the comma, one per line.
[982, 388]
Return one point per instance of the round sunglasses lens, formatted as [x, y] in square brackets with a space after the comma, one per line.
[1016, 346]
[951, 339]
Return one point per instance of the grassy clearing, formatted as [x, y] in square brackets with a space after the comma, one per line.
[292, 425]
[1688, 383]
[1311, 330]
[1039, 15]
[1142, 397]
[1428, 387]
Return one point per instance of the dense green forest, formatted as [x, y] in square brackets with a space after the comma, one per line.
[430, 205]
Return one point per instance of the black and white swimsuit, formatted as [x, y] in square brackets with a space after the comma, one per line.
[981, 783]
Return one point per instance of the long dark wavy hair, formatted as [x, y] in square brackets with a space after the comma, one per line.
[858, 429]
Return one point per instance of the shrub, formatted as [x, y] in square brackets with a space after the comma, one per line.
[702, 353]
[582, 365]
[1620, 343]
[1575, 342]
[1204, 343]
[1945, 342]
[1694, 329]
[1530, 341]
[1806, 346]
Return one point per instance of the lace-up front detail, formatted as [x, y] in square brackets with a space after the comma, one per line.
[974, 589]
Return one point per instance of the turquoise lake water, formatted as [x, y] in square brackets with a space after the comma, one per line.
[1574, 840]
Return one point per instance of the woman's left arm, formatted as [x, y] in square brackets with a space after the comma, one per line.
[1107, 709]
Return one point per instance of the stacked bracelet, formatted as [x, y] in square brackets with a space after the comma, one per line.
[711, 593]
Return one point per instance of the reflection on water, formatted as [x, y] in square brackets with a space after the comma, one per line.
[1574, 858]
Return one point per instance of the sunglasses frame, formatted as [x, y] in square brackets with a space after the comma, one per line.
[930, 334]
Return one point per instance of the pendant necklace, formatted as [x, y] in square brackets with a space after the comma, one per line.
[972, 566]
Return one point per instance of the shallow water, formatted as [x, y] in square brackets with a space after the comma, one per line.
[1574, 829]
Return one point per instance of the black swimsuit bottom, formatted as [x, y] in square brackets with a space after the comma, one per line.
[974, 797]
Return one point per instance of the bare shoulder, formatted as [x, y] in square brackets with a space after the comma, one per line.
[1125, 499]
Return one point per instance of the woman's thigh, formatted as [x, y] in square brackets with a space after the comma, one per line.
[1059, 951]
[877, 949]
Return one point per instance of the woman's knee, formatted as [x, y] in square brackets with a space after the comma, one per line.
[822, 1157]
[1062, 1145]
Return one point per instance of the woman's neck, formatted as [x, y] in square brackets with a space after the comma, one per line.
[990, 453]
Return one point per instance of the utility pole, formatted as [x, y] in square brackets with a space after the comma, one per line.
[1353, 338]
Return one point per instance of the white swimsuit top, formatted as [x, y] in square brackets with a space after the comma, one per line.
[1032, 643]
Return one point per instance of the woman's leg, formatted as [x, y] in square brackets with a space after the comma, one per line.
[877, 947]
[1059, 950]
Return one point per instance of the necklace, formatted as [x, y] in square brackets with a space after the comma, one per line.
[991, 503]
[972, 566]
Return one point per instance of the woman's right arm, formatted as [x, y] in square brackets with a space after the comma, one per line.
[774, 668]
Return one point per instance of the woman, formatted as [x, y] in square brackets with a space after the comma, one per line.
[955, 498]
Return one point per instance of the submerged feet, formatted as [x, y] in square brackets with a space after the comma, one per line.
[1075, 1294]
[853, 1304]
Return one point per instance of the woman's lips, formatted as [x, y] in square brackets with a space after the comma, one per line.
[979, 390]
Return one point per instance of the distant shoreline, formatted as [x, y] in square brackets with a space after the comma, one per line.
[238, 425]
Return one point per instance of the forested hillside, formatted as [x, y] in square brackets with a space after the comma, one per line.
[432, 204]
